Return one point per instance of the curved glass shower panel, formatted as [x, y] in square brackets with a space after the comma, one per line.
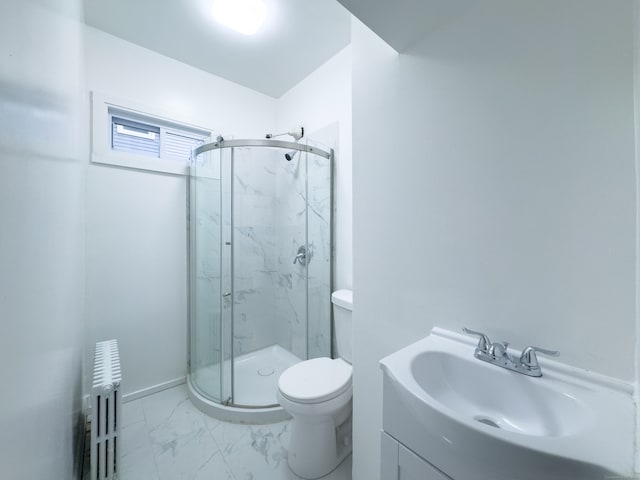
[226, 269]
[272, 285]
[319, 212]
[205, 191]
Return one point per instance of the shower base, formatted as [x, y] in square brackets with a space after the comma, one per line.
[256, 377]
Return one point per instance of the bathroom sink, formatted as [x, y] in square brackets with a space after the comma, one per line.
[496, 397]
[475, 421]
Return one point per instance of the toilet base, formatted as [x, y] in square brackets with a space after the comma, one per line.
[318, 446]
[344, 459]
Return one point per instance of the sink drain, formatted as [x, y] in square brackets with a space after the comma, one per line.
[265, 372]
[486, 421]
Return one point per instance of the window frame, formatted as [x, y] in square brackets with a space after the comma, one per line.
[103, 108]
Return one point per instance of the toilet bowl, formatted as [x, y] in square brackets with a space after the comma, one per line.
[317, 393]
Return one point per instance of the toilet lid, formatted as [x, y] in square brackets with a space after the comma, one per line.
[316, 380]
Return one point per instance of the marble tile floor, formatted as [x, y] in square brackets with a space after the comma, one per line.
[164, 437]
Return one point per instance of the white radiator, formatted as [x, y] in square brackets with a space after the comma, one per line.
[105, 411]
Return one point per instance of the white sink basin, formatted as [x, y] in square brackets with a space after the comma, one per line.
[474, 390]
[475, 421]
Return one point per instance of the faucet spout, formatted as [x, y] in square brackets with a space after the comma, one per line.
[498, 349]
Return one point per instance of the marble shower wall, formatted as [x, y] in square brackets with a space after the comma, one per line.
[271, 222]
[305, 318]
[291, 234]
[255, 267]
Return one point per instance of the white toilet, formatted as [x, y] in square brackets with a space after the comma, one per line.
[317, 394]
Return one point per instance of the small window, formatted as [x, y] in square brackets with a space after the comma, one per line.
[135, 137]
[123, 135]
[155, 139]
[178, 145]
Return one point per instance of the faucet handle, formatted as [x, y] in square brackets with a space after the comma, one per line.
[529, 359]
[483, 343]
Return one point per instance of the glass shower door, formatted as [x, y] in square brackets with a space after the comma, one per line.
[319, 239]
[205, 275]
[227, 285]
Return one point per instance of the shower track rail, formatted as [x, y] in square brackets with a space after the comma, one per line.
[261, 143]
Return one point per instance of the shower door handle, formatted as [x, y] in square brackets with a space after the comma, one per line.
[226, 294]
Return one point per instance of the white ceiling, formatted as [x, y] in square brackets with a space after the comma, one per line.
[297, 37]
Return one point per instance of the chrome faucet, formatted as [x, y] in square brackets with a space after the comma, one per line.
[496, 354]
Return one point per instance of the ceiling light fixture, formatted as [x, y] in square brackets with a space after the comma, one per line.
[244, 16]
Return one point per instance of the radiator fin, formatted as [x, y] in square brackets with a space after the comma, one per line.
[106, 403]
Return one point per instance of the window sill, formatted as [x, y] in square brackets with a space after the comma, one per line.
[139, 162]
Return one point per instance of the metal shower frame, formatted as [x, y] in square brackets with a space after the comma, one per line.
[262, 143]
[269, 143]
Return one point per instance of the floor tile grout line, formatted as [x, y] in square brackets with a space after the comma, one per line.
[202, 423]
[148, 431]
[248, 432]
[224, 459]
[220, 423]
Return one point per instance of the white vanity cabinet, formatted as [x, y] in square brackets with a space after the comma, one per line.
[400, 463]
[441, 419]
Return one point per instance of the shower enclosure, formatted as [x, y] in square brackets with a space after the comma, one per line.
[260, 271]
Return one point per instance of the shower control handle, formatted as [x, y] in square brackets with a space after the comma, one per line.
[301, 257]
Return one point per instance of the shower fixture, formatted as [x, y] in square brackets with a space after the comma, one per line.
[289, 155]
[297, 133]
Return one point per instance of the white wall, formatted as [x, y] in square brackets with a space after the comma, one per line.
[137, 270]
[321, 99]
[136, 228]
[494, 187]
[41, 238]
[637, 131]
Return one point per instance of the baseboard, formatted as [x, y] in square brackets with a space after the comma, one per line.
[129, 397]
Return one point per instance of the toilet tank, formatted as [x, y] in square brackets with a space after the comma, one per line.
[342, 310]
